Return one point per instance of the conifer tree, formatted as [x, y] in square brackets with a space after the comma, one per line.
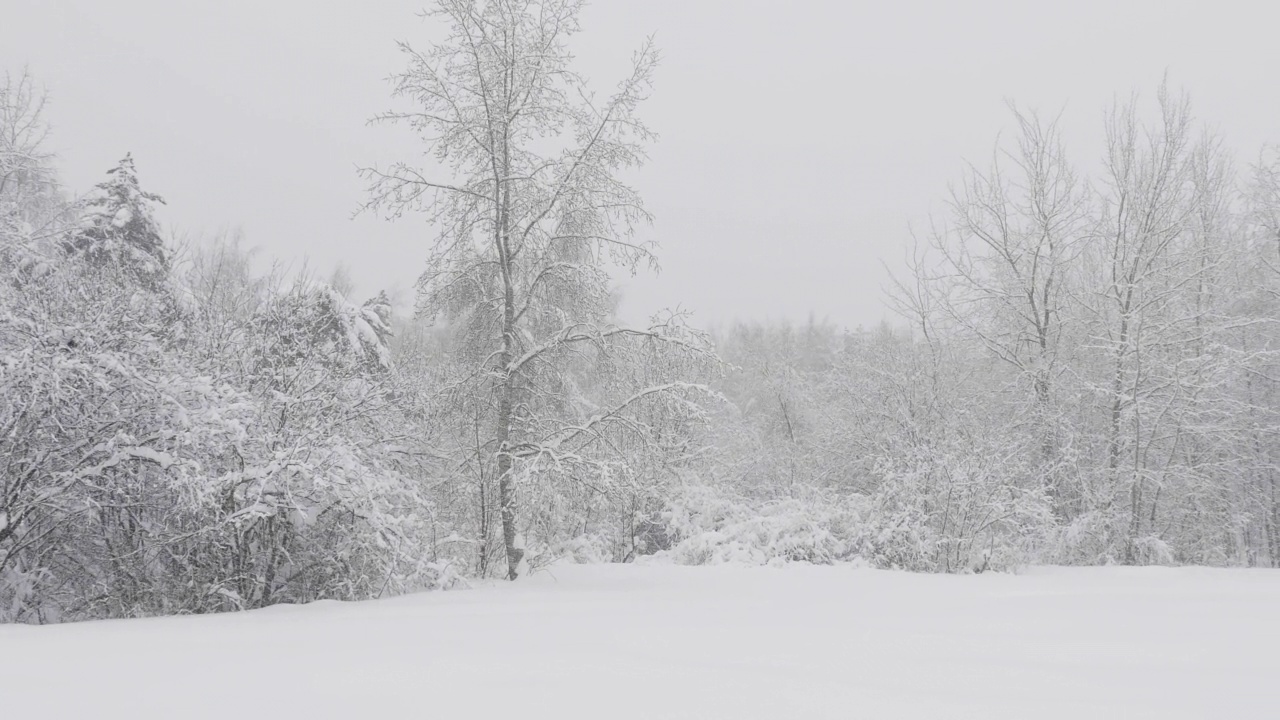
[119, 227]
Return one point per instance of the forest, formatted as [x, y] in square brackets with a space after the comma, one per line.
[1084, 369]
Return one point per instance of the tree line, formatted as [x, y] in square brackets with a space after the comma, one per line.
[1084, 371]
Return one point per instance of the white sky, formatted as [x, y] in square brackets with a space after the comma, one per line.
[799, 139]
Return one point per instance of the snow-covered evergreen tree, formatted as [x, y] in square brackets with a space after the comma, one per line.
[119, 227]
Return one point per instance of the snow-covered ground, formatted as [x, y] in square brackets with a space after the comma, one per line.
[654, 641]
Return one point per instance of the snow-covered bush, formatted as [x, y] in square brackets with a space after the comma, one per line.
[953, 510]
[708, 526]
[961, 510]
[159, 464]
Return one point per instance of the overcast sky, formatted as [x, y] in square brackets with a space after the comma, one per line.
[798, 139]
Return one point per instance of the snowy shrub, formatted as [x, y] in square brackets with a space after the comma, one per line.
[896, 539]
[585, 549]
[234, 464]
[711, 526]
[1087, 539]
[954, 510]
[959, 512]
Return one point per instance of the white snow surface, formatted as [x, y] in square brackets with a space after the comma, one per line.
[659, 641]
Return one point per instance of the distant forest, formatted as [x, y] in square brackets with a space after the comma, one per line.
[1086, 371]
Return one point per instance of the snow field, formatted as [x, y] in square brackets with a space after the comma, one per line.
[659, 641]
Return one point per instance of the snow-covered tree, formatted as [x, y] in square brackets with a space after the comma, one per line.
[1006, 265]
[32, 212]
[1130, 312]
[119, 227]
[528, 213]
[26, 174]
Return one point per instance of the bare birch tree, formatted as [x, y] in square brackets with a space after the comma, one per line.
[529, 214]
[30, 210]
[1004, 267]
[1262, 384]
[1162, 251]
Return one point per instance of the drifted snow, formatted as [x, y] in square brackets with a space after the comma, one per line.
[657, 641]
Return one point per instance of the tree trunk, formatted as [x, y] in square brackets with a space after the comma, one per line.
[507, 487]
[1273, 525]
[1114, 442]
[506, 400]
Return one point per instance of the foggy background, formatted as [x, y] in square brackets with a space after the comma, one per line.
[798, 140]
